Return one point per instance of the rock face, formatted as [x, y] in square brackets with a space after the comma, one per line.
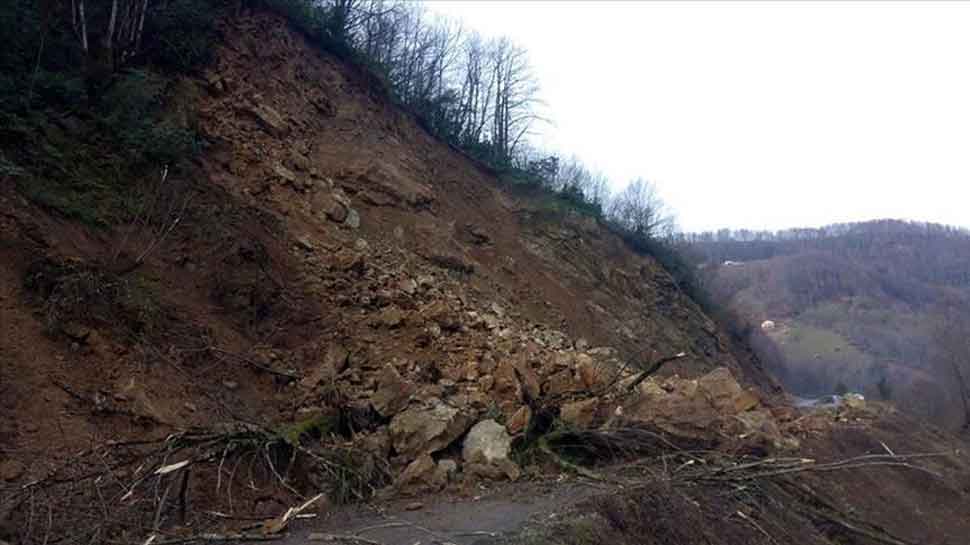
[425, 430]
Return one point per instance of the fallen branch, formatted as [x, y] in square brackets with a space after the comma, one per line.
[566, 465]
[653, 369]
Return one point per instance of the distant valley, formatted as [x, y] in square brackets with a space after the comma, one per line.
[875, 307]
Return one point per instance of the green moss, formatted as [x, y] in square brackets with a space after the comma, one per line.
[314, 427]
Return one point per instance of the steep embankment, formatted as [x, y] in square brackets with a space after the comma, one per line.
[328, 301]
[325, 268]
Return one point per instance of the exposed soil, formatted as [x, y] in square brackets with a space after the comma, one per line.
[328, 243]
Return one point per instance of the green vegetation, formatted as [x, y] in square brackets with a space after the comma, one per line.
[314, 427]
[77, 294]
[83, 125]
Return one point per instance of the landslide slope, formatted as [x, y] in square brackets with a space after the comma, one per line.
[324, 267]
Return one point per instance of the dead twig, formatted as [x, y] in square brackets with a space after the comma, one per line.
[653, 369]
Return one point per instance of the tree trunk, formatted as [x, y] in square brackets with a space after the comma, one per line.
[84, 28]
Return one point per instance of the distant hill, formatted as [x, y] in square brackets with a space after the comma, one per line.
[856, 306]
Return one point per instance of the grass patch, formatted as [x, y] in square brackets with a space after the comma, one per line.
[72, 292]
[315, 427]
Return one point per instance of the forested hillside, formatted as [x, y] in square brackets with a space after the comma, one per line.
[873, 307]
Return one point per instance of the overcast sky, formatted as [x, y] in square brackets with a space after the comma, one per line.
[761, 115]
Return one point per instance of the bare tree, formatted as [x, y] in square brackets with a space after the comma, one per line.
[516, 97]
[120, 38]
[953, 348]
[639, 210]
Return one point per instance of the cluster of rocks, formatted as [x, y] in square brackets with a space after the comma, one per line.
[451, 416]
[437, 378]
[442, 379]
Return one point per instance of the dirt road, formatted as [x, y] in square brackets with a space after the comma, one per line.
[447, 519]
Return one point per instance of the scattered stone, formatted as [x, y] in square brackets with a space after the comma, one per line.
[419, 476]
[305, 242]
[724, 392]
[11, 470]
[408, 286]
[270, 119]
[393, 394]
[353, 219]
[325, 204]
[391, 317]
[334, 361]
[469, 371]
[414, 506]
[563, 382]
[285, 174]
[425, 430]
[453, 262]
[230, 384]
[361, 245]
[477, 235]
[350, 262]
[439, 313]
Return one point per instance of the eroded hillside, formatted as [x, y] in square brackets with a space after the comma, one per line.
[332, 303]
[324, 268]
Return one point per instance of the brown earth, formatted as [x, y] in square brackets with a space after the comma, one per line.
[336, 284]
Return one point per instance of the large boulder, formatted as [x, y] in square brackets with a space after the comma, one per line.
[487, 441]
[706, 408]
[486, 452]
[724, 393]
[423, 430]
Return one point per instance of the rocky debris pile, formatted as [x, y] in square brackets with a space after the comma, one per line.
[423, 346]
[439, 380]
[455, 378]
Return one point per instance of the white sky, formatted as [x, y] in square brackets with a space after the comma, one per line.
[757, 114]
